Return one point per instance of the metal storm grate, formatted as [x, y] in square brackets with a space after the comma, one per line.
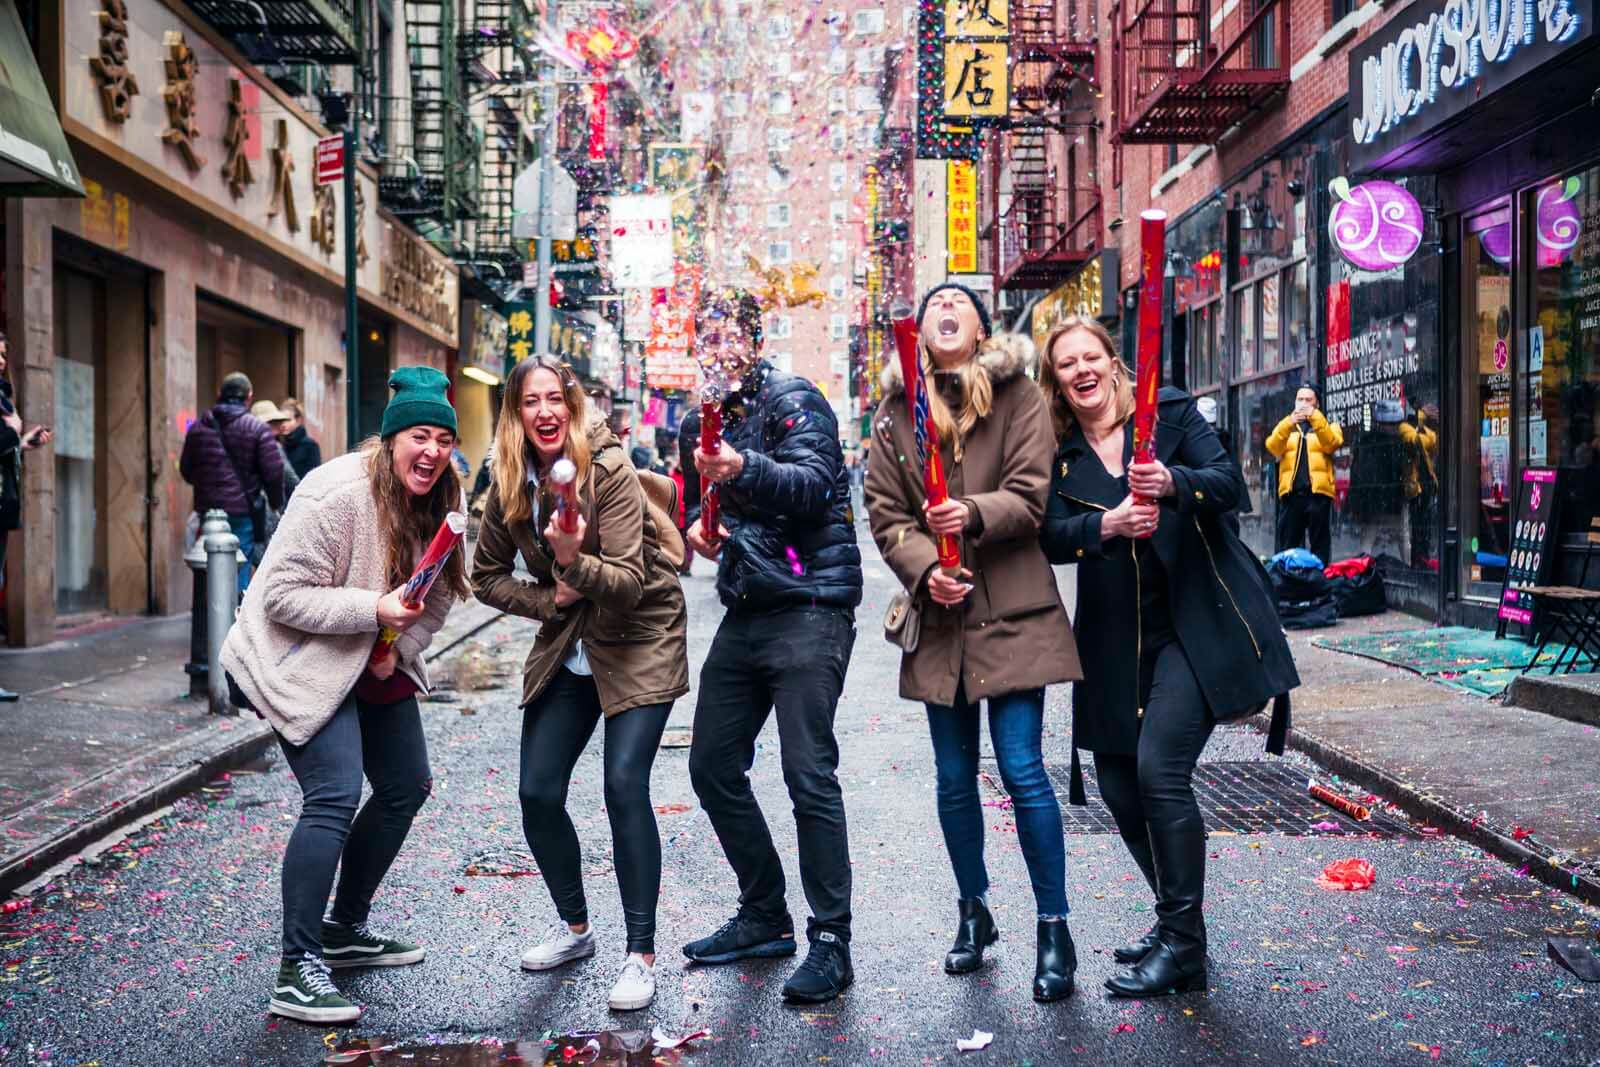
[1247, 797]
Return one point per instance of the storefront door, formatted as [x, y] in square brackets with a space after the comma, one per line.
[80, 375]
[1489, 358]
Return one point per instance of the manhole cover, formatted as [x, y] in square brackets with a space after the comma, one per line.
[1249, 797]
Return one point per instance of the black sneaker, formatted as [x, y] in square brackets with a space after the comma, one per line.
[825, 974]
[358, 946]
[744, 937]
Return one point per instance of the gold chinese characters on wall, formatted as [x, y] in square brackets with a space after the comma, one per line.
[324, 219]
[236, 167]
[415, 279]
[118, 86]
[183, 128]
[283, 180]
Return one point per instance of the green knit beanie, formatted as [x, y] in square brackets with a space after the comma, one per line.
[421, 398]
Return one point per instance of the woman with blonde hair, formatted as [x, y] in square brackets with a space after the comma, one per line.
[298, 655]
[996, 632]
[611, 646]
[1200, 644]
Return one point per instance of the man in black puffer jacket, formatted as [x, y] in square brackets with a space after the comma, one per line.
[790, 576]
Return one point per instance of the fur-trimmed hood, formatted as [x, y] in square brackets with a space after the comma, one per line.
[1002, 357]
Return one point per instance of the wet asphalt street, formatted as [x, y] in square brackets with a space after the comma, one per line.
[160, 950]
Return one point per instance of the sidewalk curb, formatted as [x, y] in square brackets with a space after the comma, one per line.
[206, 760]
[1437, 813]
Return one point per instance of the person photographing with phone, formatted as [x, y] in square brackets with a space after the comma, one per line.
[1303, 443]
[14, 441]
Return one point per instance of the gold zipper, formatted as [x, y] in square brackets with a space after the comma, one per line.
[1223, 582]
[1085, 503]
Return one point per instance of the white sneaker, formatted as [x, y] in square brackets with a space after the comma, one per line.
[564, 946]
[636, 986]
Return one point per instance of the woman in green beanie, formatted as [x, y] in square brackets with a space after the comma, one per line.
[298, 656]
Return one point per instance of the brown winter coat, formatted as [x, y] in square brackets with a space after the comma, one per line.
[1011, 633]
[632, 619]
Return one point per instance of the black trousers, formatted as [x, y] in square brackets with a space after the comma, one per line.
[1306, 515]
[1151, 793]
[556, 727]
[794, 662]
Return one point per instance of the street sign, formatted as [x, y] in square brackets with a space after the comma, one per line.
[525, 204]
[330, 160]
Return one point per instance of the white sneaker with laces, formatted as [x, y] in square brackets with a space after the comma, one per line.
[564, 946]
[636, 986]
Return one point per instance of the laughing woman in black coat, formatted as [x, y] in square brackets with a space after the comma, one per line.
[1175, 626]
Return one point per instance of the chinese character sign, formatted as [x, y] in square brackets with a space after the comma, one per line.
[977, 18]
[961, 216]
[976, 83]
[641, 241]
[519, 331]
[668, 359]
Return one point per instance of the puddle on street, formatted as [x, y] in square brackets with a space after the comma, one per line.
[609, 1048]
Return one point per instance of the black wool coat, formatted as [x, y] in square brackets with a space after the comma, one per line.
[1222, 606]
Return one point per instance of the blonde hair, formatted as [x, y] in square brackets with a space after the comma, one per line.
[977, 399]
[1060, 408]
[514, 454]
[408, 522]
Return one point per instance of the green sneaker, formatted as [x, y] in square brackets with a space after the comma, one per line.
[358, 946]
[304, 991]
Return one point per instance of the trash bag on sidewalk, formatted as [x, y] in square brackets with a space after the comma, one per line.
[1309, 614]
[1296, 576]
[1357, 587]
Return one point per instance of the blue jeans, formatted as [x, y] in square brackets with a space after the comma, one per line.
[1016, 726]
[244, 528]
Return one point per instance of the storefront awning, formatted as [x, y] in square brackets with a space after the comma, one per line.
[34, 160]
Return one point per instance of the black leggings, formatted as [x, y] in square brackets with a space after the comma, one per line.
[1155, 787]
[556, 727]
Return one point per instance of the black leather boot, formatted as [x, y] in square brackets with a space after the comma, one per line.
[1177, 964]
[1140, 851]
[1057, 962]
[974, 933]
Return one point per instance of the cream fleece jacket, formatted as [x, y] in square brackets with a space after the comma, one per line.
[310, 616]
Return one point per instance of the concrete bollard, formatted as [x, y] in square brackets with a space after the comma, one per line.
[222, 581]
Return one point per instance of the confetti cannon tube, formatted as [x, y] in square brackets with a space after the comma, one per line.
[1358, 812]
[927, 434]
[1152, 259]
[710, 444]
[446, 541]
[564, 477]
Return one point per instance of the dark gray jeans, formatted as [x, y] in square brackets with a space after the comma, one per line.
[385, 742]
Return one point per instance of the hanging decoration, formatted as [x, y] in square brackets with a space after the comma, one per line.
[603, 46]
[118, 86]
[796, 288]
[283, 181]
[183, 128]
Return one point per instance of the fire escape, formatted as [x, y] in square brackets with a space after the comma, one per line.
[1186, 74]
[486, 51]
[439, 191]
[1049, 223]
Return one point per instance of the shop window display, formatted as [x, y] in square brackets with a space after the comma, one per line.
[1489, 350]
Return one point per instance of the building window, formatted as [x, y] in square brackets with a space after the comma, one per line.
[838, 101]
[838, 61]
[838, 139]
[1268, 299]
[837, 251]
[779, 102]
[838, 212]
[784, 361]
[779, 28]
[778, 215]
[779, 139]
[867, 99]
[1244, 305]
[867, 21]
[838, 327]
[1340, 9]
[781, 327]
[836, 286]
[838, 176]
[779, 252]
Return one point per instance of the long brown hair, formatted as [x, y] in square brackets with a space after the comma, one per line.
[514, 453]
[1060, 408]
[977, 397]
[408, 522]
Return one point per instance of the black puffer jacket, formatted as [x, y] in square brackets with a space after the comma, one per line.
[792, 530]
[224, 445]
[305, 455]
[10, 467]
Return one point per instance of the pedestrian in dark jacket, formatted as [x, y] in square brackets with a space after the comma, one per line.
[14, 441]
[305, 455]
[611, 646]
[993, 634]
[790, 576]
[231, 458]
[1200, 644]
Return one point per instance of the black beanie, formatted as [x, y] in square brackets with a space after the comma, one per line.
[983, 312]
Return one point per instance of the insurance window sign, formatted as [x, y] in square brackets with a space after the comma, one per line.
[1434, 59]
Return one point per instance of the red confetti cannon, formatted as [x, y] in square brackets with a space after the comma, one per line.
[710, 444]
[933, 482]
[1359, 812]
[451, 531]
[1152, 248]
[564, 477]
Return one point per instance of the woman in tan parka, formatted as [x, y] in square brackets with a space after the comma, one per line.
[997, 633]
[611, 646]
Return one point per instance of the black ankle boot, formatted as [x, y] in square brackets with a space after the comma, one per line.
[1177, 963]
[1057, 961]
[1130, 954]
[975, 932]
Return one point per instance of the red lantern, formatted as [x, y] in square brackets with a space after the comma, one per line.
[602, 45]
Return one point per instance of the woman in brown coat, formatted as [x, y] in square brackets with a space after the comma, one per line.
[996, 632]
[612, 645]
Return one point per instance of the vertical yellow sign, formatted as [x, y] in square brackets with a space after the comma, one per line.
[961, 216]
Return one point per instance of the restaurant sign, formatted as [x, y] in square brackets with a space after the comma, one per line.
[1438, 57]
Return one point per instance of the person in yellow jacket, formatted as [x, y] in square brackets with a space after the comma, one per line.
[1304, 444]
